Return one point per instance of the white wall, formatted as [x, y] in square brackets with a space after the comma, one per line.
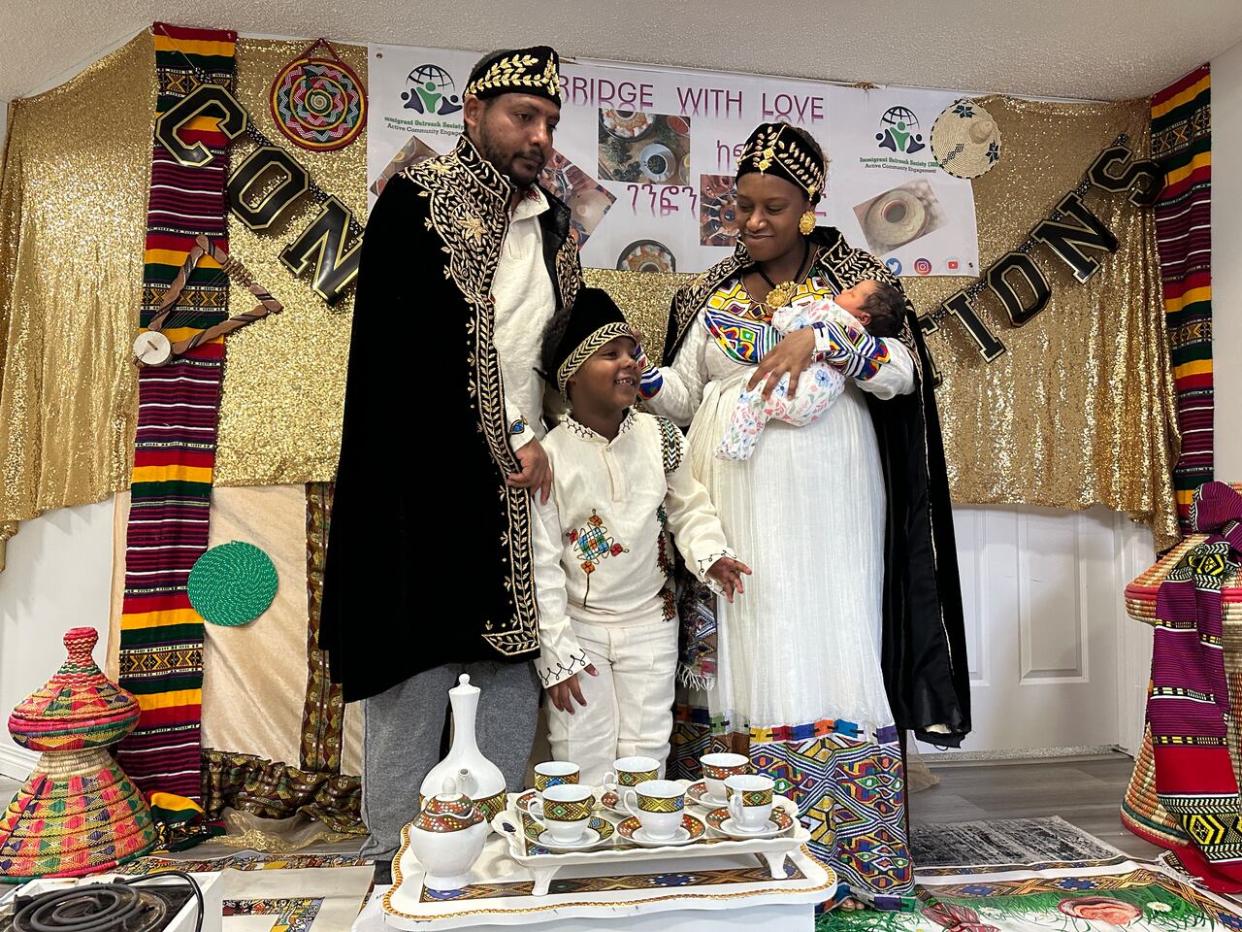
[59, 576]
[1226, 256]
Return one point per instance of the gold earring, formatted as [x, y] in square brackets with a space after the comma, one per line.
[806, 223]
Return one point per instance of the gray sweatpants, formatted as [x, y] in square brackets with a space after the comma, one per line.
[401, 739]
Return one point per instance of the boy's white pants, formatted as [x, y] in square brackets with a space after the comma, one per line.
[629, 708]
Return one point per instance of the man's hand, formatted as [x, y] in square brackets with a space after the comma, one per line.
[791, 355]
[563, 693]
[536, 470]
[728, 573]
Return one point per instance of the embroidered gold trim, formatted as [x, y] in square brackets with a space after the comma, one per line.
[468, 210]
[583, 351]
[768, 149]
[514, 73]
[568, 271]
[672, 444]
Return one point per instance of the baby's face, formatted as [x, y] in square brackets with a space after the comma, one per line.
[852, 299]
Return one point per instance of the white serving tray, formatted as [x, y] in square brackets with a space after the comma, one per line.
[544, 864]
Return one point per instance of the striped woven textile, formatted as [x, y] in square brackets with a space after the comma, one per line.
[1142, 812]
[1181, 142]
[1188, 707]
[161, 657]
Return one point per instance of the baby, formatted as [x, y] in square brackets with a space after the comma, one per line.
[877, 307]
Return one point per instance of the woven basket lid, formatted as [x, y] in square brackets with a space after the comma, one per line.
[966, 140]
[1142, 591]
[78, 707]
[76, 814]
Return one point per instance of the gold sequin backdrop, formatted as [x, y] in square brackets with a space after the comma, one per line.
[1078, 412]
[72, 227]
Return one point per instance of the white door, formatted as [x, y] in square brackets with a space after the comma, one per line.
[1054, 665]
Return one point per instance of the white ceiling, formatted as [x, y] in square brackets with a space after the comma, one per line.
[1103, 49]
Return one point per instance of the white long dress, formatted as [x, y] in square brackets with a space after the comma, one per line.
[799, 676]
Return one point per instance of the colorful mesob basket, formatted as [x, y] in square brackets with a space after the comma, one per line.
[77, 813]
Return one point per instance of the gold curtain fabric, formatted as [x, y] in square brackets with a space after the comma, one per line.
[284, 381]
[1078, 412]
[72, 226]
[1081, 409]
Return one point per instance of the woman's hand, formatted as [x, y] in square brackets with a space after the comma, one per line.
[727, 573]
[563, 694]
[791, 355]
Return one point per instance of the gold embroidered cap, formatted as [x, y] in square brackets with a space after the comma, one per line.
[534, 71]
[595, 320]
[777, 148]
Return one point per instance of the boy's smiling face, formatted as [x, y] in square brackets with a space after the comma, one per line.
[608, 381]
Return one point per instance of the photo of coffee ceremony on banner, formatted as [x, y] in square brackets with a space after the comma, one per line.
[655, 467]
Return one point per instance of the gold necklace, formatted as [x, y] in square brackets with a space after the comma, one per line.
[779, 295]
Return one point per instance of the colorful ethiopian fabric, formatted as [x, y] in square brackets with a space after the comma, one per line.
[1103, 895]
[1181, 143]
[1188, 705]
[742, 338]
[161, 655]
[1141, 810]
[849, 787]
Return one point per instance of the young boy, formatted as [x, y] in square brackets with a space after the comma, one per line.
[875, 306]
[607, 615]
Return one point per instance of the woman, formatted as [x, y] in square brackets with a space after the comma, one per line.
[850, 631]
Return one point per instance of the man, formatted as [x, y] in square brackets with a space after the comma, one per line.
[466, 264]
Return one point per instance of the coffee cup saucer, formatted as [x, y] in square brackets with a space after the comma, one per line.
[691, 829]
[778, 823]
[597, 832]
[697, 793]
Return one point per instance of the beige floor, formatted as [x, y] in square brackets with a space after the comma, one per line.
[1085, 792]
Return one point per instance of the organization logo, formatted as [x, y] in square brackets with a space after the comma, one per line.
[953, 264]
[899, 131]
[922, 266]
[894, 265]
[430, 89]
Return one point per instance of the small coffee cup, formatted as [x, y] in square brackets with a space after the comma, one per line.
[658, 806]
[630, 771]
[719, 767]
[555, 773]
[565, 811]
[750, 801]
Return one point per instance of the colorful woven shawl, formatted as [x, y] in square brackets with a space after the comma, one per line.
[1181, 142]
[1188, 706]
[161, 657]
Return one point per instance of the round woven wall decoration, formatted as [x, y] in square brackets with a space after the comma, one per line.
[232, 584]
[319, 102]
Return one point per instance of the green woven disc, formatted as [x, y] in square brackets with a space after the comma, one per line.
[232, 584]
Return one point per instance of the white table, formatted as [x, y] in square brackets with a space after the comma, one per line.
[674, 895]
